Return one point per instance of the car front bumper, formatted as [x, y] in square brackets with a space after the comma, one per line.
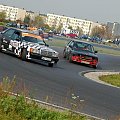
[85, 61]
[38, 57]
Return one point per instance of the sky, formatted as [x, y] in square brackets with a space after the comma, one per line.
[101, 11]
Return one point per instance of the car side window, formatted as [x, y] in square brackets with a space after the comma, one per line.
[16, 35]
[9, 33]
[70, 43]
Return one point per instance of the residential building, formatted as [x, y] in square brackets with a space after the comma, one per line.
[13, 13]
[32, 14]
[57, 20]
[44, 17]
[114, 28]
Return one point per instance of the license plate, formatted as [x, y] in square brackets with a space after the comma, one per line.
[45, 58]
[85, 62]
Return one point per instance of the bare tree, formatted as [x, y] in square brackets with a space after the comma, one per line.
[59, 28]
[99, 31]
[108, 33]
[80, 30]
[38, 22]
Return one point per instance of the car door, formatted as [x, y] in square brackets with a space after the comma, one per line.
[6, 37]
[15, 41]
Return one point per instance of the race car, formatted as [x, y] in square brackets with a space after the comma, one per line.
[81, 52]
[27, 46]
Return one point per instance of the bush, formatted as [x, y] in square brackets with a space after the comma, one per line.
[2, 23]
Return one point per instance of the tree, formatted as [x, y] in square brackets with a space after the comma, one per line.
[108, 34]
[2, 16]
[38, 22]
[27, 19]
[80, 30]
[58, 30]
[70, 27]
[46, 26]
[98, 32]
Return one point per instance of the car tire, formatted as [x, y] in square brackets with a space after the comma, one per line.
[23, 55]
[0, 46]
[94, 66]
[50, 64]
[70, 58]
[56, 61]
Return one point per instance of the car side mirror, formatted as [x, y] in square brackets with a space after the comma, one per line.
[47, 45]
[70, 46]
[17, 39]
[2, 32]
[96, 51]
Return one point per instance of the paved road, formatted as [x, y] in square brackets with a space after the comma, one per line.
[56, 85]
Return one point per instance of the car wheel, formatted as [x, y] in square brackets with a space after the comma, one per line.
[0, 46]
[95, 66]
[56, 61]
[23, 54]
[70, 58]
[50, 64]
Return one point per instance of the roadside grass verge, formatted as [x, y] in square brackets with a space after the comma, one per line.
[107, 51]
[111, 79]
[18, 107]
[61, 43]
[58, 43]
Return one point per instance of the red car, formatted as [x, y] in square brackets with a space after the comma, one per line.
[81, 52]
[71, 35]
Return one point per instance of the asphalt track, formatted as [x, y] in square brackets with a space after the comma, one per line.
[56, 85]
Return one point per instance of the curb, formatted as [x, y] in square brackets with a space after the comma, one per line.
[97, 73]
[58, 107]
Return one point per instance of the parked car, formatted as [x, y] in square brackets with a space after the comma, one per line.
[71, 35]
[81, 52]
[11, 24]
[26, 45]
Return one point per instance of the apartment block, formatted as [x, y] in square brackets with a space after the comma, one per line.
[13, 13]
[56, 20]
[32, 14]
[114, 28]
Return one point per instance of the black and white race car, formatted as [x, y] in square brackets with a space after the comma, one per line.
[27, 46]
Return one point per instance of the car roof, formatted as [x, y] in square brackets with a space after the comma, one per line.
[31, 35]
[81, 41]
[27, 33]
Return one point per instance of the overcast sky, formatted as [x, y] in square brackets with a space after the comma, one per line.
[102, 11]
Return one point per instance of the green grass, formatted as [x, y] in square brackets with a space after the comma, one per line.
[107, 51]
[62, 43]
[20, 108]
[111, 79]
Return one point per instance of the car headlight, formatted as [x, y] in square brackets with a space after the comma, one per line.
[32, 50]
[55, 54]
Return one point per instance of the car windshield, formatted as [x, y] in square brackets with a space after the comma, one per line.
[83, 46]
[33, 40]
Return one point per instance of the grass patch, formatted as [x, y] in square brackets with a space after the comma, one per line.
[107, 51]
[18, 107]
[61, 43]
[58, 43]
[111, 79]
